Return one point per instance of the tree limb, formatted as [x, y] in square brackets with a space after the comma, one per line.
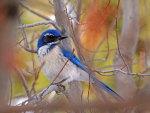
[127, 47]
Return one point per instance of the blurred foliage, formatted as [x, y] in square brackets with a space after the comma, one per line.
[94, 38]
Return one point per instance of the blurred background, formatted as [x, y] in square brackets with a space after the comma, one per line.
[102, 35]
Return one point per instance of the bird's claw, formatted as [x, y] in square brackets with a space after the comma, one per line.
[61, 88]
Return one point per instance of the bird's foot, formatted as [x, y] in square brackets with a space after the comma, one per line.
[61, 88]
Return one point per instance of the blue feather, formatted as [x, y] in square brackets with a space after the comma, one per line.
[73, 59]
[78, 63]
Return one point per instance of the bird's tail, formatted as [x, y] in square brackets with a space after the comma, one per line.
[101, 85]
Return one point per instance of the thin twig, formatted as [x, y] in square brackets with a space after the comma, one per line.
[36, 76]
[64, 66]
[119, 70]
[72, 7]
[34, 12]
[28, 49]
[23, 81]
[76, 41]
[10, 99]
[26, 45]
[79, 6]
[118, 45]
[51, 3]
[36, 24]
[40, 15]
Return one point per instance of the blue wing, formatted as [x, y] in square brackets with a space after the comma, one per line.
[97, 82]
[73, 59]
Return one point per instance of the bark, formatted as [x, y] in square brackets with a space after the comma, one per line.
[127, 47]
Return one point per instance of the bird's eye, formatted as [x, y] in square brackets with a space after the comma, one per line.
[49, 38]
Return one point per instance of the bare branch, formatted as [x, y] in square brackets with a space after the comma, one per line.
[26, 45]
[64, 65]
[23, 81]
[47, 90]
[34, 12]
[79, 6]
[40, 15]
[36, 24]
[71, 9]
[38, 97]
[119, 70]
[28, 49]
[36, 76]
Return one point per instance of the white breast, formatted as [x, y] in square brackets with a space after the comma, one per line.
[54, 62]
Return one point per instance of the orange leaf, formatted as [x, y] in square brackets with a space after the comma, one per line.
[95, 24]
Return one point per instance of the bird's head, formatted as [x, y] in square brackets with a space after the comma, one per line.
[50, 37]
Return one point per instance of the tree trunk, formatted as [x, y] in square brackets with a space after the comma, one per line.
[127, 47]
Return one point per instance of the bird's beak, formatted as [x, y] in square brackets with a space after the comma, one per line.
[63, 37]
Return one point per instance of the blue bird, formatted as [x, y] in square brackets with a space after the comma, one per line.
[54, 57]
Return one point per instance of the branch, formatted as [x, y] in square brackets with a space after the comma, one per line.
[26, 45]
[71, 9]
[47, 90]
[37, 24]
[126, 48]
[34, 12]
[138, 104]
[40, 15]
[23, 81]
[28, 49]
[119, 70]
[38, 97]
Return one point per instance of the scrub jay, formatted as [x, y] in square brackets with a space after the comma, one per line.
[54, 58]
